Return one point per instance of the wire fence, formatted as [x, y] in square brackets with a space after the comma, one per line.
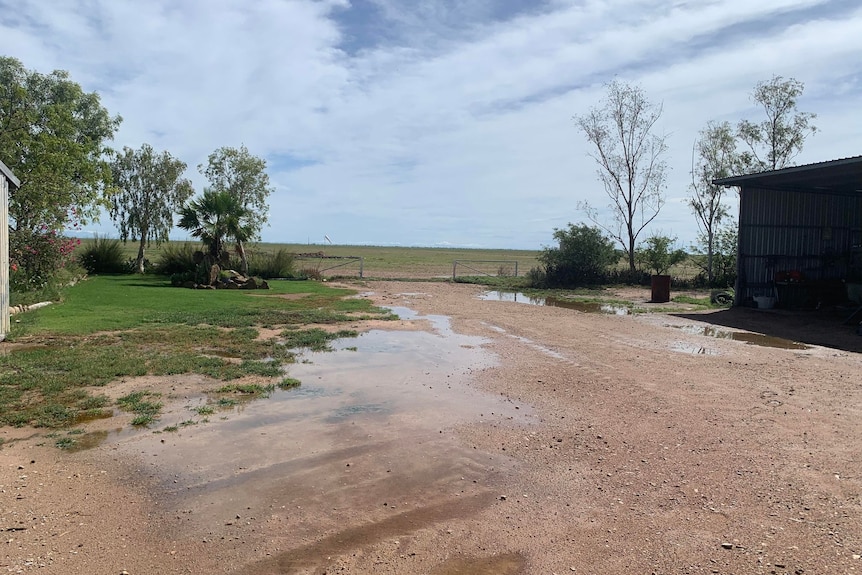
[482, 268]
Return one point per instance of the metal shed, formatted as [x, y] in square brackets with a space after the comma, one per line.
[7, 181]
[800, 234]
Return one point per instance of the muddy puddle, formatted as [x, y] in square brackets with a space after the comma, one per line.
[364, 449]
[743, 336]
[582, 306]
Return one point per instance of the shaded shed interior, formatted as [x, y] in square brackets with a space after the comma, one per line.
[800, 235]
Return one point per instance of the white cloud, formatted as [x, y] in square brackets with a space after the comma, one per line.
[450, 125]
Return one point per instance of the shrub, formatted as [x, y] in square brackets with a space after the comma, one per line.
[582, 257]
[37, 259]
[103, 256]
[657, 256]
[537, 278]
[177, 258]
[311, 274]
[626, 276]
[269, 265]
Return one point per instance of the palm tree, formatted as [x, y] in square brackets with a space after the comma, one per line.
[216, 218]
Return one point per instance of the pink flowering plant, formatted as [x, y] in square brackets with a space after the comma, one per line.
[37, 258]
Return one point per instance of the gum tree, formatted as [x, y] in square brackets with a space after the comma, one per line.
[149, 188]
[774, 142]
[630, 165]
[243, 176]
[714, 156]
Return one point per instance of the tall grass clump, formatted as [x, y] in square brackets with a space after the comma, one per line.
[177, 258]
[270, 265]
[103, 256]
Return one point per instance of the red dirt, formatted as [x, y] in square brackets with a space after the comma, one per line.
[645, 448]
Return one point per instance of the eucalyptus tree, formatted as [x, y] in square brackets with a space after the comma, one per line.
[630, 165]
[243, 176]
[774, 142]
[714, 156]
[149, 189]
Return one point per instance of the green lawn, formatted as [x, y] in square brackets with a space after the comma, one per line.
[111, 327]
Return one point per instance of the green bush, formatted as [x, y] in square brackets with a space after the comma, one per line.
[177, 258]
[269, 265]
[103, 256]
[37, 259]
[657, 256]
[582, 257]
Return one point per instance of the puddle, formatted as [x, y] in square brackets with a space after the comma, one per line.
[93, 416]
[747, 337]
[82, 442]
[582, 306]
[364, 448]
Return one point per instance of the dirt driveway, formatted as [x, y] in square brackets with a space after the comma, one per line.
[510, 438]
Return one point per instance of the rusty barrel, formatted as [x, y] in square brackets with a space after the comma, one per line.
[660, 289]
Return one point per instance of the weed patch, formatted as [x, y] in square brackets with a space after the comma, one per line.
[247, 389]
[315, 339]
[138, 402]
[289, 383]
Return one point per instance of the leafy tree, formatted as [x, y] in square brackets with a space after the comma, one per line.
[216, 218]
[715, 156]
[657, 254]
[582, 257]
[52, 135]
[774, 142]
[149, 189]
[629, 158]
[244, 176]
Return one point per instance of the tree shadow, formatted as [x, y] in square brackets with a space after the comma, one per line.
[823, 327]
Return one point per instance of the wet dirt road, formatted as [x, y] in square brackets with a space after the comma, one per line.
[510, 438]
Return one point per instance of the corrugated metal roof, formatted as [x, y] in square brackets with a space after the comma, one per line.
[9, 175]
[842, 176]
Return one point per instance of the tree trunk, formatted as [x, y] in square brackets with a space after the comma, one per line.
[140, 261]
[243, 258]
[710, 273]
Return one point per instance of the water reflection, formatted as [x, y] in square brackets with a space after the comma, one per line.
[744, 336]
[582, 306]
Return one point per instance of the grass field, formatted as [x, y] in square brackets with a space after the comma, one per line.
[388, 261]
[408, 262]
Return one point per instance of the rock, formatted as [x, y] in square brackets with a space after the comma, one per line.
[726, 545]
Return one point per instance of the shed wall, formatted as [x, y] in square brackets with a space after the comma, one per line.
[4, 257]
[811, 233]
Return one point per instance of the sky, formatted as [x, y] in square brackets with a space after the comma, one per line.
[438, 122]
